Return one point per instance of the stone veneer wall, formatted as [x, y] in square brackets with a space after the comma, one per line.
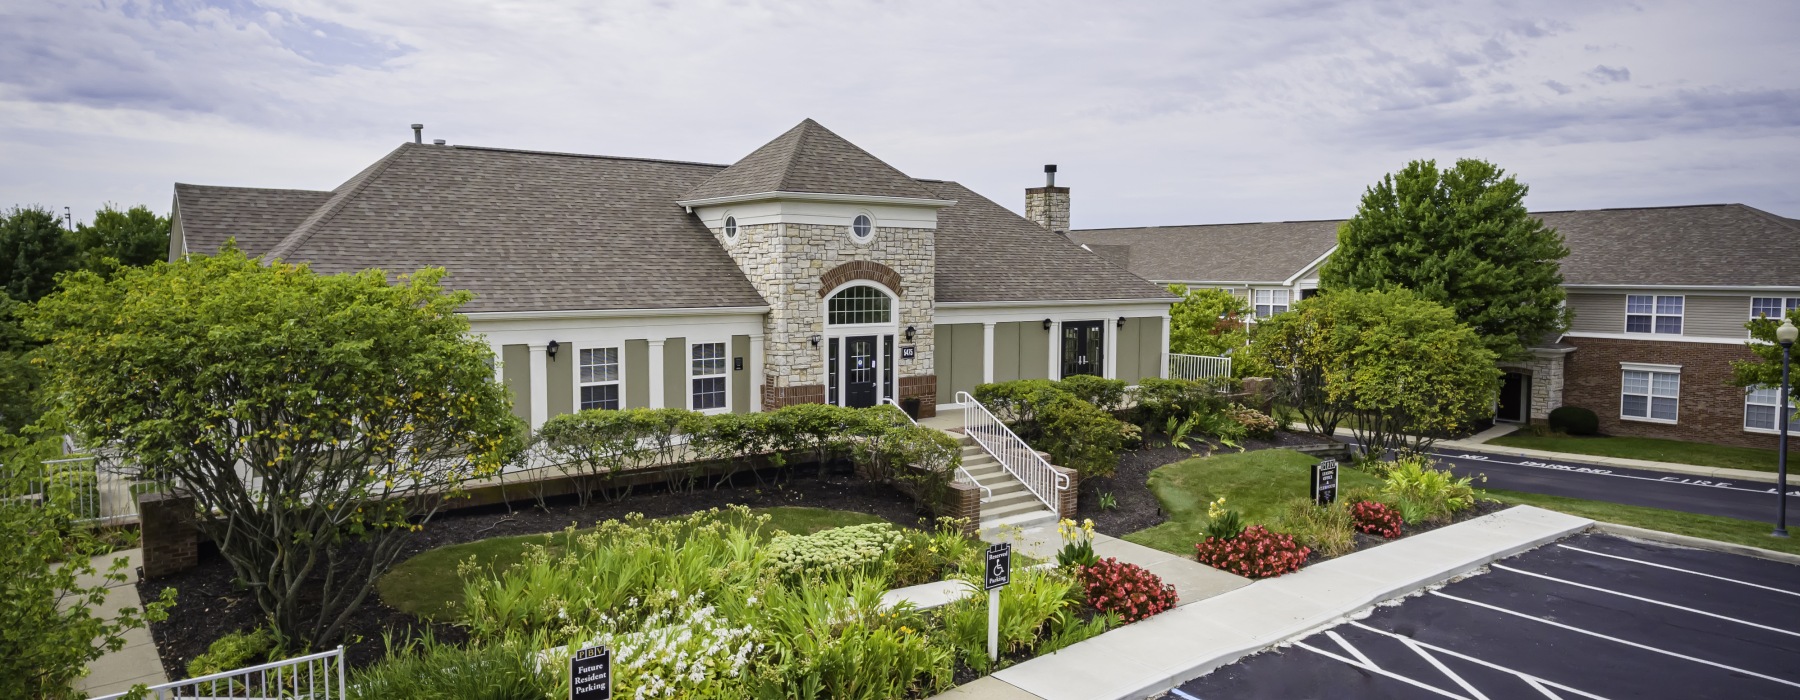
[786, 264]
[1048, 207]
[1547, 379]
[1711, 408]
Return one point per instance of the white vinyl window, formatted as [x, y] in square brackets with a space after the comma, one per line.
[1650, 396]
[857, 305]
[862, 227]
[1270, 302]
[1646, 313]
[708, 373]
[1762, 410]
[731, 227]
[599, 380]
[1772, 307]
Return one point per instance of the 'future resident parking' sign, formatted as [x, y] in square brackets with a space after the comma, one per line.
[590, 674]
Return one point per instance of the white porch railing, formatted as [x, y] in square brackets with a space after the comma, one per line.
[95, 494]
[1198, 366]
[1024, 463]
[312, 677]
[962, 475]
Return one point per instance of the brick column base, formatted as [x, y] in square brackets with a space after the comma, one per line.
[963, 502]
[1066, 505]
[171, 541]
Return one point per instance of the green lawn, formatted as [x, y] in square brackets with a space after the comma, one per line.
[427, 585]
[1253, 483]
[1646, 448]
[1712, 527]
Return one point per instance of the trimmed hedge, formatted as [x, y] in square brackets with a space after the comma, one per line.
[1574, 420]
[1049, 417]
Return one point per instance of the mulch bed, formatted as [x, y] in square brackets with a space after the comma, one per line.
[1129, 485]
[209, 606]
[1365, 540]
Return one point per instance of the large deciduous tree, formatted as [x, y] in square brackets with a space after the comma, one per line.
[321, 418]
[34, 249]
[1206, 321]
[1765, 370]
[134, 237]
[1460, 237]
[1401, 367]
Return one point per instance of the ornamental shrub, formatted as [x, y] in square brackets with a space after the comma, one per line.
[234, 651]
[1127, 590]
[834, 552]
[1159, 400]
[1105, 394]
[1078, 436]
[1255, 423]
[926, 557]
[1256, 553]
[1574, 420]
[1424, 493]
[1015, 402]
[1376, 518]
[1329, 529]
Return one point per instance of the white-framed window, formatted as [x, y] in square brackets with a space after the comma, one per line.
[1650, 393]
[859, 304]
[1270, 302]
[1762, 410]
[599, 379]
[1772, 307]
[708, 373]
[1653, 313]
[731, 227]
[862, 227]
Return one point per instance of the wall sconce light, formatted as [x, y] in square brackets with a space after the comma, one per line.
[910, 332]
[550, 349]
[816, 340]
[1046, 324]
[1121, 321]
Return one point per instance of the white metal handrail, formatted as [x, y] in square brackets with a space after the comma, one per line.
[312, 677]
[96, 495]
[1198, 366]
[1016, 457]
[962, 475]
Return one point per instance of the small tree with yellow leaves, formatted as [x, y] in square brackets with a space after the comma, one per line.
[315, 419]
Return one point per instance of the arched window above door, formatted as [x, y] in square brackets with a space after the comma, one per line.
[857, 305]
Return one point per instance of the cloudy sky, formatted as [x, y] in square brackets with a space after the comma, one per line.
[1157, 112]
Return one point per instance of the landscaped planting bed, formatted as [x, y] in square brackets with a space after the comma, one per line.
[1133, 505]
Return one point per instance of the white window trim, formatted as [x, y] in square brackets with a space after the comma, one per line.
[1654, 315]
[1650, 399]
[731, 227]
[1785, 301]
[620, 382]
[1793, 401]
[850, 228]
[1286, 304]
[688, 372]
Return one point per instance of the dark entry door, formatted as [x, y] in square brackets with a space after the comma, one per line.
[1083, 343]
[861, 371]
[1515, 391]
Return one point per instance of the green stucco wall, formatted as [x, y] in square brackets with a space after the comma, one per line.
[958, 358]
[561, 386]
[515, 367]
[675, 365]
[637, 374]
[1140, 348]
[740, 378]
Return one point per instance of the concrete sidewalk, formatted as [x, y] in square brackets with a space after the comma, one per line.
[138, 661]
[1149, 657]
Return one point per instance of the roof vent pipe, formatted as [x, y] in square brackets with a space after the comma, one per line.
[1050, 175]
[418, 133]
[437, 142]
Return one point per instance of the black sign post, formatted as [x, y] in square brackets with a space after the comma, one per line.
[999, 573]
[590, 674]
[1325, 482]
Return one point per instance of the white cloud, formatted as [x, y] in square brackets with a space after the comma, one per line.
[1158, 112]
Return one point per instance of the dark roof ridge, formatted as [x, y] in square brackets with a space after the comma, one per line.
[251, 189]
[566, 154]
[341, 195]
[1534, 213]
[1229, 223]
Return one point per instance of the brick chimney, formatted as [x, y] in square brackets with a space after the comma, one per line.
[1048, 206]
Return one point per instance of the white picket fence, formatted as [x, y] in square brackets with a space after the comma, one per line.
[1198, 366]
[312, 677]
[96, 494]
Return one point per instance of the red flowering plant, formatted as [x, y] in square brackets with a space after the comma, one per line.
[1254, 553]
[1128, 590]
[1376, 518]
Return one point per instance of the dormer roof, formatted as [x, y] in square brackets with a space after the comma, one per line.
[808, 159]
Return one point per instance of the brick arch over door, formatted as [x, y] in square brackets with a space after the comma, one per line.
[859, 270]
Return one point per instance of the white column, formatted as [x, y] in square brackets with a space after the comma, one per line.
[987, 353]
[1163, 371]
[656, 372]
[756, 372]
[1056, 350]
[540, 386]
[1112, 348]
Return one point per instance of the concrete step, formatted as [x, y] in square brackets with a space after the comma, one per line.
[990, 511]
[1021, 520]
[1007, 499]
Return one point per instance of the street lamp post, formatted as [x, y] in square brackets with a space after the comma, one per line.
[1786, 335]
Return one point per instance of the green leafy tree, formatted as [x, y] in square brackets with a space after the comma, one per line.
[325, 416]
[1765, 370]
[1404, 367]
[18, 377]
[34, 249]
[134, 238]
[51, 592]
[1206, 321]
[1460, 237]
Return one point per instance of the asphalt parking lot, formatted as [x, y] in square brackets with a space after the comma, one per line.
[1592, 616]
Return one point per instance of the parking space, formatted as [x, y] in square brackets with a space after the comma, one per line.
[1593, 616]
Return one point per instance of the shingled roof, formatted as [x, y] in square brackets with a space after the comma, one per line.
[809, 158]
[987, 253]
[257, 218]
[1699, 245]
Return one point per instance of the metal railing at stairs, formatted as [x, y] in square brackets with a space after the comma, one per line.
[1198, 366]
[1016, 457]
[962, 475]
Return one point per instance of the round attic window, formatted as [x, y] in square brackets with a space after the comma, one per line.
[731, 227]
[862, 227]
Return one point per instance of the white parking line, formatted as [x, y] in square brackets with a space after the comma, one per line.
[1439, 665]
[1676, 480]
[1676, 568]
[1178, 691]
[1372, 669]
[1626, 642]
[1504, 567]
[1532, 680]
[1353, 650]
